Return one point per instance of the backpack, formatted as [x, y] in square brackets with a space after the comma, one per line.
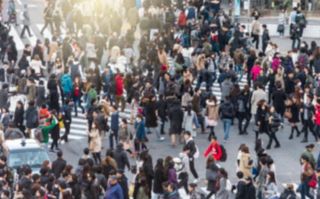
[227, 110]
[302, 21]
[197, 153]
[224, 154]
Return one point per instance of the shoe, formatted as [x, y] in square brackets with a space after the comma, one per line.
[195, 181]
[161, 139]
[51, 150]
[268, 147]
[245, 133]
[298, 134]
[291, 137]
[304, 141]
[277, 146]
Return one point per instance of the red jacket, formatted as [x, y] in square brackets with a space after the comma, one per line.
[215, 150]
[317, 114]
[119, 85]
[182, 20]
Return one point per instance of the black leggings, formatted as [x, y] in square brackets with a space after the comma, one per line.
[97, 157]
[192, 168]
[54, 144]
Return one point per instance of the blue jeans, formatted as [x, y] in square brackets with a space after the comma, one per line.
[226, 127]
[305, 191]
[239, 71]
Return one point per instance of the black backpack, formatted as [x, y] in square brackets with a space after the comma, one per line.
[227, 110]
[224, 154]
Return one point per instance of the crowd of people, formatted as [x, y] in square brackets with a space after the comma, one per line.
[166, 78]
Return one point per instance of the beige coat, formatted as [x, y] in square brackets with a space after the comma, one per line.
[256, 27]
[212, 113]
[95, 144]
[257, 95]
[244, 166]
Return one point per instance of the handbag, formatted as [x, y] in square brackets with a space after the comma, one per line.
[313, 181]
[288, 114]
[280, 28]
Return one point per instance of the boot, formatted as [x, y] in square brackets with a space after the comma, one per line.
[305, 139]
[298, 132]
[291, 135]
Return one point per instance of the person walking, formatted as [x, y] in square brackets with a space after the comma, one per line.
[274, 124]
[212, 175]
[212, 115]
[282, 19]
[255, 32]
[190, 121]
[265, 37]
[227, 112]
[308, 113]
[113, 137]
[190, 149]
[262, 118]
[26, 21]
[95, 144]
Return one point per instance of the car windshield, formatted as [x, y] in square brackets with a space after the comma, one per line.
[33, 158]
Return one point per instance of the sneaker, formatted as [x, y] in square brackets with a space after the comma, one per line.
[195, 181]
[161, 139]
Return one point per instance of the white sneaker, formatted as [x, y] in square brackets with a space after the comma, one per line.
[195, 181]
[161, 138]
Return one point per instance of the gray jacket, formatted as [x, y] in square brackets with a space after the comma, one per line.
[26, 18]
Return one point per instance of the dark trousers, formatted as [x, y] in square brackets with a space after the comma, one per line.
[264, 46]
[308, 125]
[25, 27]
[272, 137]
[97, 157]
[256, 39]
[192, 168]
[67, 131]
[138, 145]
[296, 43]
[201, 122]
[241, 117]
[54, 144]
[113, 137]
[46, 23]
[163, 122]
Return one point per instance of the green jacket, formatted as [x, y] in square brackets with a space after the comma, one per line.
[46, 130]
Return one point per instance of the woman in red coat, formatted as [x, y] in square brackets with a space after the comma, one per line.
[214, 149]
[317, 118]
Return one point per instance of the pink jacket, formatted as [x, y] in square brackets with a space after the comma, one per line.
[275, 64]
[255, 72]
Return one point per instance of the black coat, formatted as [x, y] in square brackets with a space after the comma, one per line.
[55, 132]
[58, 166]
[176, 118]
[123, 182]
[54, 100]
[18, 117]
[278, 98]
[241, 190]
[150, 114]
[41, 95]
[295, 110]
[32, 117]
[120, 156]
[159, 178]
[262, 117]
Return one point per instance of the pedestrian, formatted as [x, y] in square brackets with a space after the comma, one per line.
[274, 124]
[140, 135]
[55, 132]
[159, 178]
[282, 20]
[175, 114]
[262, 118]
[26, 21]
[58, 165]
[190, 121]
[306, 176]
[95, 144]
[190, 149]
[212, 114]
[245, 162]
[114, 190]
[255, 32]
[307, 113]
[293, 106]
[241, 186]
[32, 119]
[120, 156]
[212, 175]
[214, 149]
[271, 189]
[265, 37]
[222, 192]
[67, 119]
[113, 137]
[77, 94]
[227, 113]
